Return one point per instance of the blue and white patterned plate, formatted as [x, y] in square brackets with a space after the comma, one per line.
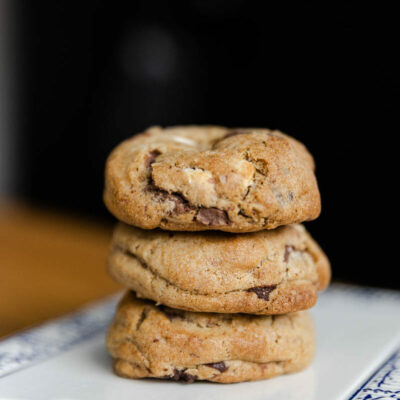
[358, 357]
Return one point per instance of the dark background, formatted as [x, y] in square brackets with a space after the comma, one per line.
[93, 73]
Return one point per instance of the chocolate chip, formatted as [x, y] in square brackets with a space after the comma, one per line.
[188, 378]
[288, 249]
[155, 340]
[212, 216]
[181, 204]
[150, 158]
[220, 366]
[181, 376]
[262, 292]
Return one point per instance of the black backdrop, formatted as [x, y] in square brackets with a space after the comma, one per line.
[97, 72]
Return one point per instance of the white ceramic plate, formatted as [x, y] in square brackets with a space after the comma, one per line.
[358, 357]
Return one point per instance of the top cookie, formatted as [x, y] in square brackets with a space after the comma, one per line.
[194, 178]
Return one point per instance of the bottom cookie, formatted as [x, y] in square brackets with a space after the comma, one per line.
[152, 341]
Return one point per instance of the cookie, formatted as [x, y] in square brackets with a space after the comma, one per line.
[266, 272]
[152, 341]
[195, 178]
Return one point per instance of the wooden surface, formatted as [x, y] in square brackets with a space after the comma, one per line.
[49, 264]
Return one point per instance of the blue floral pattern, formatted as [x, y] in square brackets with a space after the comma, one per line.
[384, 383]
[50, 339]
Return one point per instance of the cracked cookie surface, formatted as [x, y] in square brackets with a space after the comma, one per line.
[194, 178]
[146, 340]
[266, 272]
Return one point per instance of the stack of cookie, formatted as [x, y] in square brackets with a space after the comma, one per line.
[218, 268]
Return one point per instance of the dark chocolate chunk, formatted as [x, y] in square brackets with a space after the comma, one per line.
[188, 378]
[262, 292]
[212, 216]
[288, 249]
[181, 205]
[220, 366]
[150, 158]
[181, 376]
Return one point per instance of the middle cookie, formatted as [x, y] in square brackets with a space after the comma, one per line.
[266, 272]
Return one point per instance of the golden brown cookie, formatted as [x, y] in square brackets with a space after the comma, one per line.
[159, 342]
[194, 178]
[266, 272]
